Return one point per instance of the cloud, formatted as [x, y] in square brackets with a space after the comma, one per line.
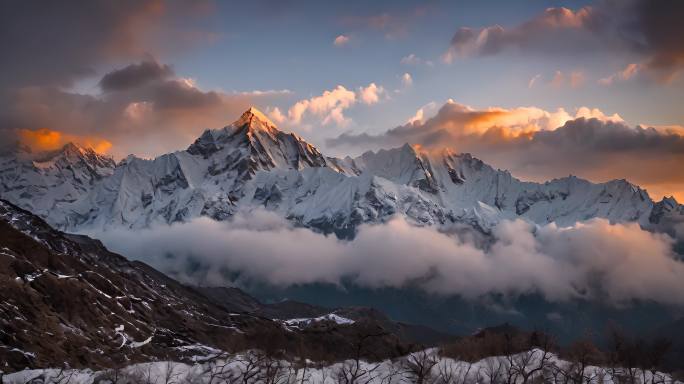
[539, 34]
[573, 79]
[140, 108]
[538, 145]
[406, 79]
[267, 92]
[533, 80]
[276, 115]
[594, 260]
[371, 94]
[47, 140]
[413, 60]
[455, 121]
[135, 75]
[329, 107]
[144, 108]
[341, 40]
[419, 116]
[80, 36]
[630, 71]
[643, 29]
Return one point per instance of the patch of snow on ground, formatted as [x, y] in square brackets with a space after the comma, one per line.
[329, 317]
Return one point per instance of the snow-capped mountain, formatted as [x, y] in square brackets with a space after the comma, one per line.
[41, 182]
[251, 163]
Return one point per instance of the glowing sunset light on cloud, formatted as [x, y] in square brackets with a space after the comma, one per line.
[45, 139]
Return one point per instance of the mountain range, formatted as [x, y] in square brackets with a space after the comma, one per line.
[251, 163]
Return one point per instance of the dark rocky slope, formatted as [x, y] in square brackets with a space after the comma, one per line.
[67, 300]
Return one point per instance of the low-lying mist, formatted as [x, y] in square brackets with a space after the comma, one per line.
[615, 263]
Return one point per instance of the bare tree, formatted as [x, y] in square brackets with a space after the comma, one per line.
[653, 355]
[195, 376]
[273, 371]
[218, 369]
[418, 367]
[450, 372]
[143, 375]
[578, 366]
[623, 358]
[446, 372]
[393, 374]
[299, 364]
[354, 371]
[494, 369]
[64, 376]
[113, 375]
[169, 374]
[531, 362]
[249, 367]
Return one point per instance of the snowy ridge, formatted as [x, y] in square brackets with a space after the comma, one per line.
[305, 321]
[42, 182]
[251, 163]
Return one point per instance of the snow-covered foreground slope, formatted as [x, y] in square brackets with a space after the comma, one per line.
[420, 367]
[251, 163]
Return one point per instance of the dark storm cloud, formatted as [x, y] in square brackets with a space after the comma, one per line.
[660, 23]
[648, 30]
[178, 94]
[54, 42]
[601, 136]
[135, 75]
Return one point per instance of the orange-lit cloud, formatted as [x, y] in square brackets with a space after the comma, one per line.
[535, 144]
[630, 71]
[341, 40]
[45, 139]
[144, 109]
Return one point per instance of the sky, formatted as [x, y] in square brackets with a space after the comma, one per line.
[541, 88]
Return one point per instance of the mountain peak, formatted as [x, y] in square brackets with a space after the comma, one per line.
[254, 118]
[72, 147]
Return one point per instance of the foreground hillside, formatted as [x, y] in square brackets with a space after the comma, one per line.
[67, 301]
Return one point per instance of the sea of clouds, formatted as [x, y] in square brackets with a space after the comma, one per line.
[592, 260]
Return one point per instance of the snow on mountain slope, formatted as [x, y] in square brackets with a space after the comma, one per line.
[251, 163]
[41, 182]
[465, 182]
